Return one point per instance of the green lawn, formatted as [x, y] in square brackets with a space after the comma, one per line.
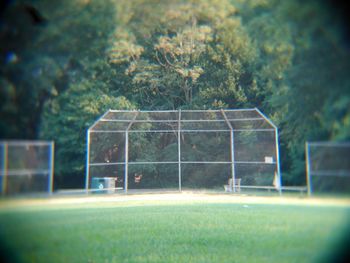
[172, 232]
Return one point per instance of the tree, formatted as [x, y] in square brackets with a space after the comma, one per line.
[280, 56]
[42, 58]
[312, 104]
[66, 118]
[168, 60]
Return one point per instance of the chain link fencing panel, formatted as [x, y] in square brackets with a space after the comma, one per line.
[26, 167]
[180, 150]
[328, 167]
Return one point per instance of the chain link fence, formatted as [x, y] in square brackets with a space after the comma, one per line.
[221, 150]
[328, 167]
[26, 166]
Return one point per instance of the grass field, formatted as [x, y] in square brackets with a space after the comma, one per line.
[173, 228]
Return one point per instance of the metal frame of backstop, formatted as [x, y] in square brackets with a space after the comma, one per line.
[228, 124]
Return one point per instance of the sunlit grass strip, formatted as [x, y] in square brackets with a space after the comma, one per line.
[98, 200]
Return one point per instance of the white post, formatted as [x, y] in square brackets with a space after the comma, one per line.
[126, 162]
[277, 150]
[5, 167]
[233, 162]
[179, 150]
[126, 170]
[87, 176]
[232, 147]
[307, 163]
[52, 156]
[279, 177]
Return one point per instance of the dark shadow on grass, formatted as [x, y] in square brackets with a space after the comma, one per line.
[7, 253]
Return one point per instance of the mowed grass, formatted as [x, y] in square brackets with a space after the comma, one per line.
[172, 232]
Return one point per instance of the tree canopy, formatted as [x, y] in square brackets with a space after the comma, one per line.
[64, 63]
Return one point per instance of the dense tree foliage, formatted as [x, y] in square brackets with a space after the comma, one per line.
[63, 63]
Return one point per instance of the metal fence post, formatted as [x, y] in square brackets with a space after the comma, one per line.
[307, 164]
[179, 150]
[277, 150]
[126, 169]
[233, 162]
[232, 148]
[5, 168]
[278, 162]
[52, 156]
[87, 176]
